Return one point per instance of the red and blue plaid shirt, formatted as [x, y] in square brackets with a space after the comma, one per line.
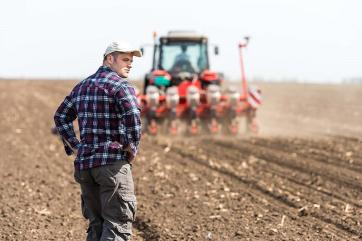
[108, 117]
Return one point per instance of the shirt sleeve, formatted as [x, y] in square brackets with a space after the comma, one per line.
[63, 118]
[130, 116]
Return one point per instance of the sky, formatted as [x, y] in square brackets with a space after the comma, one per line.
[309, 40]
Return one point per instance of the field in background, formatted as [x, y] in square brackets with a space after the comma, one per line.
[300, 179]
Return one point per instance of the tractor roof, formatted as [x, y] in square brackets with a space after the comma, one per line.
[184, 35]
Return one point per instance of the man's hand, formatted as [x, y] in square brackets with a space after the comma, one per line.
[130, 152]
[75, 151]
[69, 150]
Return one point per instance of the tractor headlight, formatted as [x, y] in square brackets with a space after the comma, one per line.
[172, 97]
[152, 96]
[233, 97]
[213, 94]
[193, 96]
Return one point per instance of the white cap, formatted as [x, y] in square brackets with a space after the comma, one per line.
[123, 48]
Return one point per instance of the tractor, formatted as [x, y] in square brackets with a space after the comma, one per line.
[182, 90]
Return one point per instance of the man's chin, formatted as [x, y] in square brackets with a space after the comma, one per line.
[124, 75]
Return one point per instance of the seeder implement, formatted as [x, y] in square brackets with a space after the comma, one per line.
[182, 95]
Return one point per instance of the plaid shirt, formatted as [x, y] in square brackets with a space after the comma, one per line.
[108, 117]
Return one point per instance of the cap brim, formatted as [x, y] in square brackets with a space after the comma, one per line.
[137, 53]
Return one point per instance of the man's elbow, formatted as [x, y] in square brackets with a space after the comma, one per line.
[58, 119]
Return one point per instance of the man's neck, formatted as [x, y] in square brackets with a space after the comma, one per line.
[108, 66]
[105, 64]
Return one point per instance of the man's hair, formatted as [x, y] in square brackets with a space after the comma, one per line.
[114, 54]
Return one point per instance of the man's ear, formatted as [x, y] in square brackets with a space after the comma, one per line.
[110, 58]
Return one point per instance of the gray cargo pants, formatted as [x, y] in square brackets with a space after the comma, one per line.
[108, 201]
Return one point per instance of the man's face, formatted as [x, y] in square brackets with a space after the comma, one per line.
[121, 63]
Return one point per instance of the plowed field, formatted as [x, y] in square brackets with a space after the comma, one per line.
[300, 179]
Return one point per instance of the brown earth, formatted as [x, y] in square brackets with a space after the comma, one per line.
[300, 179]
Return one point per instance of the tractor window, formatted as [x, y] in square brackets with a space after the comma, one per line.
[184, 57]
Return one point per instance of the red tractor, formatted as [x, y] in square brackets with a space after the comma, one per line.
[181, 88]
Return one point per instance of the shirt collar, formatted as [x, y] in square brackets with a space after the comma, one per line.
[107, 69]
[104, 68]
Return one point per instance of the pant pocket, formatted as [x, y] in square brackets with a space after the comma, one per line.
[127, 198]
[125, 182]
[129, 207]
[122, 212]
[122, 206]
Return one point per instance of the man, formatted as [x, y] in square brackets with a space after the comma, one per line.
[183, 56]
[182, 62]
[110, 130]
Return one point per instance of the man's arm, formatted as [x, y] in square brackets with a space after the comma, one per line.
[130, 118]
[63, 118]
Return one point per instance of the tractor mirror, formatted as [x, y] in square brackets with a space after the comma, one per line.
[216, 50]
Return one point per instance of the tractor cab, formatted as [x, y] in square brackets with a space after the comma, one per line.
[181, 56]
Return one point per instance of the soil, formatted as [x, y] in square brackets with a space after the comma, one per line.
[299, 179]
